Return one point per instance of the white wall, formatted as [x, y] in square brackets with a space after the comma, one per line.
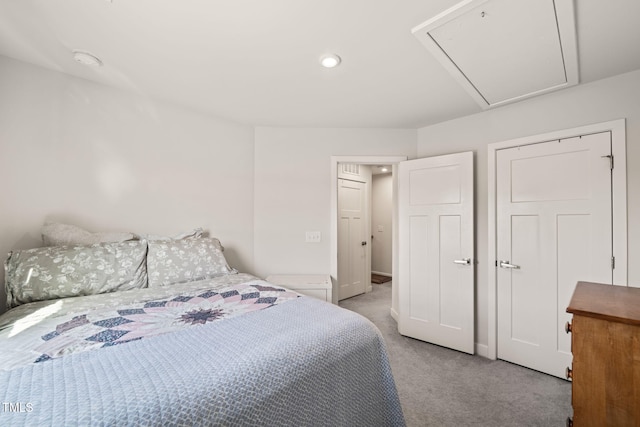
[604, 100]
[104, 159]
[293, 190]
[381, 203]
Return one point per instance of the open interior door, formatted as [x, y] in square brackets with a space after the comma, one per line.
[436, 250]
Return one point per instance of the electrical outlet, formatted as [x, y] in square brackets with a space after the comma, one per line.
[313, 237]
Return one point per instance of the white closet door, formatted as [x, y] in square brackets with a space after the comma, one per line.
[554, 228]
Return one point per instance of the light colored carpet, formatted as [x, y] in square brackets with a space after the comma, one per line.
[442, 387]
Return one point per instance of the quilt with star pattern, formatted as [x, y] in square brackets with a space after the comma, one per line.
[130, 322]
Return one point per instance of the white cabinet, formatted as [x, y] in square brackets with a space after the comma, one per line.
[314, 285]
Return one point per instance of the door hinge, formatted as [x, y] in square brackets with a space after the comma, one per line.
[610, 157]
[613, 262]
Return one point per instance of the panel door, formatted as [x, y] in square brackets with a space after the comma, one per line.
[436, 243]
[554, 229]
[351, 238]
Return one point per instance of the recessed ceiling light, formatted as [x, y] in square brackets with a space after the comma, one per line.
[330, 60]
[86, 58]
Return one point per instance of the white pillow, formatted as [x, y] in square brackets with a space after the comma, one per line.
[196, 233]
[56, 234]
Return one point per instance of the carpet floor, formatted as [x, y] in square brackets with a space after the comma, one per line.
[442, 387]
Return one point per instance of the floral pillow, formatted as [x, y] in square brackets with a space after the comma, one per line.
[178, 261]
[68, 271]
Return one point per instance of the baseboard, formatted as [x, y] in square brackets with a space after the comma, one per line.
[482, 350]
[381, 273]
[394, 314]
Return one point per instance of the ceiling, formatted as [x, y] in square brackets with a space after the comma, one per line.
[256, 62]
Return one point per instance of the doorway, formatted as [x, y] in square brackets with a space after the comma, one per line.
[452, 171]
[381, 224]
[373, 162]
[365, 251]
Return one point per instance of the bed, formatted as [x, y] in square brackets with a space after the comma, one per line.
[179, 338]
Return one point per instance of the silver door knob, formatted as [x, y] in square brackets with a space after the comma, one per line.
[465, 261]
[506, 264]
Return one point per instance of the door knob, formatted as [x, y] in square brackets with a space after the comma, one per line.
[363, 243]
[506, 264]
[465, 261]
[567, 327]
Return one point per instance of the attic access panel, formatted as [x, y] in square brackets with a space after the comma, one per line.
[502, 51]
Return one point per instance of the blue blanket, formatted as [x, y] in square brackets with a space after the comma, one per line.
[301, 363]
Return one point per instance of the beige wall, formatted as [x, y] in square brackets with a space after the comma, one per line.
[104, 159]
[381, 207]
[293, 190]
[604, 100]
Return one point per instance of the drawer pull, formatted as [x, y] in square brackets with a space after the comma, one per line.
[567, 327]
[569, 422]
[568, 373]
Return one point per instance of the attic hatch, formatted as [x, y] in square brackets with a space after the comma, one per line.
[502, 51]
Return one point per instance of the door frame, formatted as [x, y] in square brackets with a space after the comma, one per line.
[333, 238]
[619, 214]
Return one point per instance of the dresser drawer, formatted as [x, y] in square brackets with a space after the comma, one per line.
[605, 342]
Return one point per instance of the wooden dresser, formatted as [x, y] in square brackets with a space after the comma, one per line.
[605, 344]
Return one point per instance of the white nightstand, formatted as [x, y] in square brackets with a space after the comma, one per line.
[313, 285]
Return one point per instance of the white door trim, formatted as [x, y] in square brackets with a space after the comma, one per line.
[619, 180]
[333, 238]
